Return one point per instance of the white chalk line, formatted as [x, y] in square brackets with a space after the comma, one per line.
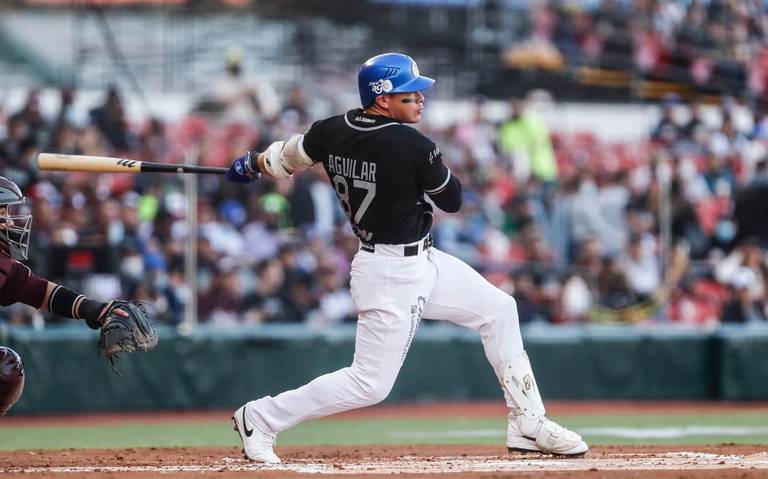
[674, 432]
[441, 464]
[621, 432]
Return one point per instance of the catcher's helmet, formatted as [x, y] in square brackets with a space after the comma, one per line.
[14, 239]
[11, 378]
[389, 73]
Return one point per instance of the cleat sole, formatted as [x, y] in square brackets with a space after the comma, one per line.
[553, 454]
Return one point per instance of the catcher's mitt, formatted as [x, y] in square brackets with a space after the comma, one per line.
[125, 334]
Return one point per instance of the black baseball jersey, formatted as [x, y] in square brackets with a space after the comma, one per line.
[380, 170]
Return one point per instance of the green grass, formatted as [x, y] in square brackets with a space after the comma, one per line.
[379, 431]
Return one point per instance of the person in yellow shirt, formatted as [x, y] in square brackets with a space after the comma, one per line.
[524, 139]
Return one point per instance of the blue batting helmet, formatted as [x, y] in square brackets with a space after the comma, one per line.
[389, 73]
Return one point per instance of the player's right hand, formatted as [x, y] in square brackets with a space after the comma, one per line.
[241, 170]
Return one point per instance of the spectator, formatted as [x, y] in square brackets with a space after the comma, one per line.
[748, 211]
[525, 143]
[612, 285]
[261, 235]
[296, 110]
[728, 141]
[18, 134]
[477, 135]
[240, 100]
[696, 128]
[265, 304]
[588, 220]
[743, 307]
[640, 266]
[576, 299]
[530, 307]
[153, 142]
[335, 302]
[668, 130]
[219, 305]
[110, 120]
[613, 198]
[747, 256]
[31, 117]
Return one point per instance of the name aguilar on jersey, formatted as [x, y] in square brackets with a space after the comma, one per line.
[352, 168]
[381, 170]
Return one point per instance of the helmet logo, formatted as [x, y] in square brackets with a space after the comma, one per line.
[414, 69]
[381, 86]
[391, 72]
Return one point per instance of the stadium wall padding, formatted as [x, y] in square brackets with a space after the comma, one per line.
[222, 369]
[744, 364]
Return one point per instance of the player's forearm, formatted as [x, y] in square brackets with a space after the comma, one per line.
[261, 165]
[449, 199]
[66, 303]
[283, 158]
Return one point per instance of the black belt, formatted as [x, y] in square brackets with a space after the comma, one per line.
[409, 250]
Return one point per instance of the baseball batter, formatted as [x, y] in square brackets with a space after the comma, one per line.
[18, 284]
[381, 170]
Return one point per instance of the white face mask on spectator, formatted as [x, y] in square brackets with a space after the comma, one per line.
[132, 266]
[65, 236]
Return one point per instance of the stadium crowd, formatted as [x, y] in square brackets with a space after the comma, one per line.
[576, 229]
[718, 46]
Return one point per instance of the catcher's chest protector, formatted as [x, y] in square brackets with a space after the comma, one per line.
[11, 378]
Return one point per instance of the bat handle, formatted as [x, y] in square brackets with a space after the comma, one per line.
[204, 169]
[147, 167]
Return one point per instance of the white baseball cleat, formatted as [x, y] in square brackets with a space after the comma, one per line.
[257, 444]
[543, 436]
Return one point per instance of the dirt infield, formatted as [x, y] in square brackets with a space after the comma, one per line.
[721, 461]
[369, 461]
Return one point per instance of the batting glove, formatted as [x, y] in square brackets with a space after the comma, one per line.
[241, 170]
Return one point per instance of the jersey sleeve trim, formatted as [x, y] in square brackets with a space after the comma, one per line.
[53, 295]
[441, 187]
[355, 127]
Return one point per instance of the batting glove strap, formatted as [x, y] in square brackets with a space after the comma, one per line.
[242, 170]
[251, 163]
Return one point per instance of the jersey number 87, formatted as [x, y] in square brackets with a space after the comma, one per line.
[355, 214]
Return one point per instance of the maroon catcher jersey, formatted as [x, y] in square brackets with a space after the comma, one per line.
[18, 284]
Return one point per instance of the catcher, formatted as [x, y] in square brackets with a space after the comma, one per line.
[125, 325]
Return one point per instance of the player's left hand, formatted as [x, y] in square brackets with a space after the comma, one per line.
[241, 170]
[126, 328]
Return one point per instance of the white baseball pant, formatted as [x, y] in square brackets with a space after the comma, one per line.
[392, 292]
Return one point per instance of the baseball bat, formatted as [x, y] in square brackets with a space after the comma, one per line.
[107, 164]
